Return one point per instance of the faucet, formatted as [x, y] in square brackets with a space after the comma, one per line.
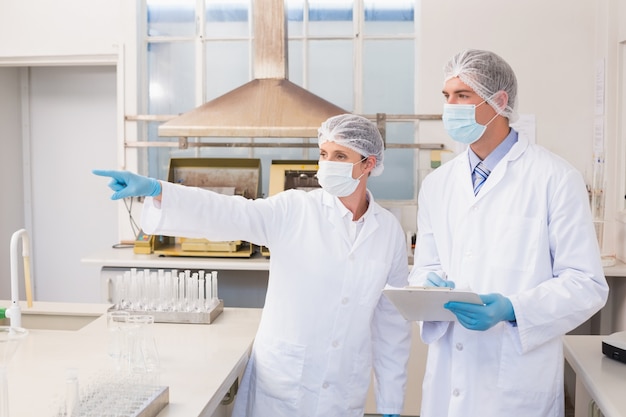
[13, 312]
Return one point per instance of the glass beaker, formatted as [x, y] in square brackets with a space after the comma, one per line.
[116, 320]
[10, 338]
[143, 356]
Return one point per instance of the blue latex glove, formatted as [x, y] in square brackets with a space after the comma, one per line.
[391, 415]
[496, 308]
[434, 280]
[126, 184]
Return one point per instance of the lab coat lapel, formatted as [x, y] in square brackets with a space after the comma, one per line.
[498, 172]
[369, 225]
[464, 176]
[334, 216]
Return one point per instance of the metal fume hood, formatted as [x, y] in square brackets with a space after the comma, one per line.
[269, 105]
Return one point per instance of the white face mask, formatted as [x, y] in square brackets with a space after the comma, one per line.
[336, 177]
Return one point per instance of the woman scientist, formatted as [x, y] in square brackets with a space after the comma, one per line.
[324, 324]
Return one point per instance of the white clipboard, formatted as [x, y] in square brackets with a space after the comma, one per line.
[426, 303]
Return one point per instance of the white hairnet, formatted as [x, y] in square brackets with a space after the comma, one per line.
[356, 133]
[486, 73]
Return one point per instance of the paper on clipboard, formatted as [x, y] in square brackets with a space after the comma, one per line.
[426, 303]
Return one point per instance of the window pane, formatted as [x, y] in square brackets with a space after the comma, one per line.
[388, 70]
[171, 17]
[227, 66]
[294, 62]
[397, 180]
[331, 73]
[170, 77]
[224, 20]
[330, 17]
[389, 17]
[295, 13]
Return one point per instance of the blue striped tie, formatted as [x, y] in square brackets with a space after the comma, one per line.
[481, 172]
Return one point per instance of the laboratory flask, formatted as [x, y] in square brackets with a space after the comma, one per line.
[143, 356]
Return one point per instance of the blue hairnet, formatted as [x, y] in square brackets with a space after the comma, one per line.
[356, 133]
[486, 73]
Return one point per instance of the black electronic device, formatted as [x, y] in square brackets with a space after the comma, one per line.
[614, 346]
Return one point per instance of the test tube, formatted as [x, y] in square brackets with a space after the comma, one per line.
[146, 294]
[192, 292]
[125, 291]
[180, 304]
[214, 295]
[133, 295]
[201, 292]
[72, 396]
[153, 292]
[161, 295]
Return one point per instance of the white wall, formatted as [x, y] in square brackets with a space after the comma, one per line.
[550, 46]
[72, 121]
[36, 29]
[11, 203]
[72, 111]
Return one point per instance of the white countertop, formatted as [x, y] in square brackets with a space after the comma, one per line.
[617, 270]
[604, 378]
[199, 361]
[126, 258]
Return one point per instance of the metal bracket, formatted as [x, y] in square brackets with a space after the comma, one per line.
[230, 395]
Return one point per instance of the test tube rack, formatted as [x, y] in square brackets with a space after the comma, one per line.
[115, 395]
[170, 296]
[184, 317]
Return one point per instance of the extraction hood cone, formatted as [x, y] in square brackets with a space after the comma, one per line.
[268, 106]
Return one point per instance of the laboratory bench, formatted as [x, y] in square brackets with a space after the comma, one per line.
[598, 377]
[199, 362]
[243, 283]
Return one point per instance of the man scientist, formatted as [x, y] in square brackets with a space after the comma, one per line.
[510, 221]
[325, 325]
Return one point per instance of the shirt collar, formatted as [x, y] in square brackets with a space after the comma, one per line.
[345, 212]
[496, 155]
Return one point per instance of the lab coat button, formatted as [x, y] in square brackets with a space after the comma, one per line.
[335, 343]
[459, 346]
[456, 392]
[325, 385]
[344, 300]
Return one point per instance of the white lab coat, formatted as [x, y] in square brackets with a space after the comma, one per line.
[324, 321]
[529, 236]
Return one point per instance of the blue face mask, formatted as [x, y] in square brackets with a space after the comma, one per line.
[459, 120]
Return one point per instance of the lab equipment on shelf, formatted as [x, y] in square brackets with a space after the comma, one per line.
[170, 296]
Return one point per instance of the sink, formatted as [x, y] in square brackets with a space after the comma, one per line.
[52, 321]
[57, 316]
